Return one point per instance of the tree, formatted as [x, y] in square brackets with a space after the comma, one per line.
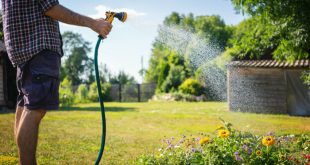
[283, 29]
[78, 67]
[174, 79]
[173, 19]
[165, 63]
[213, 29]
[253, 40]
[122, 78]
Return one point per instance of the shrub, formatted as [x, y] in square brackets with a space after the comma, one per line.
[230, 146]
[213, 79]
[93, 92]
[191, 86]
[82, 94]
[174, 79]
[106, 91]
[66, 96]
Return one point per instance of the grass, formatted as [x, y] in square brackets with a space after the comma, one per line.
[72, 136]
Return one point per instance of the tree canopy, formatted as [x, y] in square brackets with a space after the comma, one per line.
[278, 29]
[77, 67]
[169, 67]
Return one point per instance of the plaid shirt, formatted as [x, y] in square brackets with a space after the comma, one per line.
[27, 31]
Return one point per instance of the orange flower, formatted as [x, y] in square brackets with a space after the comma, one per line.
[223, 133]
[204, 140]
[268, 141]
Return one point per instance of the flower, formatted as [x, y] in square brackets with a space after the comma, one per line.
[249, 151]
[246, 148]
[238, 158]
[223, 133]
[204, 140]
[268, 141]
[258, 152]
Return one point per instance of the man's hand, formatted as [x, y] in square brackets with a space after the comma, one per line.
[102, 27]
[62, 14]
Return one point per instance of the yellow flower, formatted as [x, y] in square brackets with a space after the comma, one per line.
[223, 133]
[258, 153]
[268, 141]
[204, 140]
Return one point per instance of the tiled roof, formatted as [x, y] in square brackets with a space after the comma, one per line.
[270, 64]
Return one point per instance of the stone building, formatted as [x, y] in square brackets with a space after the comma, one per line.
[267, 86]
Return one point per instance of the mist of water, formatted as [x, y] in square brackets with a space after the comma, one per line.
[201, 54]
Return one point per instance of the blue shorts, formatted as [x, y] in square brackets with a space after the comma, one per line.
[38, 82]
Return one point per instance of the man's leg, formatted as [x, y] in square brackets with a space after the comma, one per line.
[27, 135]
[18, 114]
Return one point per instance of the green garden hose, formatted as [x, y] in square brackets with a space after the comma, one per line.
[122, 16]
[103, 136]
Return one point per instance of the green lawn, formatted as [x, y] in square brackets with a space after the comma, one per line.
[73, 136]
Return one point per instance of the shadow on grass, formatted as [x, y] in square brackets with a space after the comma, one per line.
[107, 109]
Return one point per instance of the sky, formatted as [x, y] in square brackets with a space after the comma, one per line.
[128, 42]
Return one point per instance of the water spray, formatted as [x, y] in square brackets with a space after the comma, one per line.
[122, 16]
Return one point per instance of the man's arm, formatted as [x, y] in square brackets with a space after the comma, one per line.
[62, 14]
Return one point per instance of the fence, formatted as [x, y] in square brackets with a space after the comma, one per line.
[132, 92]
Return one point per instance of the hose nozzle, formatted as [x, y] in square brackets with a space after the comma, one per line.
[122, 16]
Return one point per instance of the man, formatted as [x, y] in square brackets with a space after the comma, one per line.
[34, 46]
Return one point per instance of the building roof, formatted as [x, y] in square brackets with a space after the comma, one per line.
[270, 64]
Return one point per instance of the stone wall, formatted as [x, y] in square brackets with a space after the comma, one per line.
[258, 90]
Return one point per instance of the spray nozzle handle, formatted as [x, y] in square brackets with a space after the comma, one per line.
[122, 16]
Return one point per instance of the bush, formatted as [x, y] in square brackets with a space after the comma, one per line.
[106, 91]
[82, 94]
[174, 79]
[231, 146]
[214, 79]
[191, 86]
[93, 92]
[66, 96]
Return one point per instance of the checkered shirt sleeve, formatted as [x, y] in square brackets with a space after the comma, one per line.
[47, 4]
